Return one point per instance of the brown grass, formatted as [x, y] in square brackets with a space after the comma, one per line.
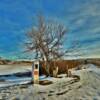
[62, 65]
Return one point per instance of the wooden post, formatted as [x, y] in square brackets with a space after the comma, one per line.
[67, 71]
[55, 72]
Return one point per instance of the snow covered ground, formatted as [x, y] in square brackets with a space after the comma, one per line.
[11, 79]
[87, 88]
[8, 77]
[10, 69]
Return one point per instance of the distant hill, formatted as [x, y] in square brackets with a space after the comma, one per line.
[95, 61]
[8, 62]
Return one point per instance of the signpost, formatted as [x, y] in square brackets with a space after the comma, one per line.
[35, 72]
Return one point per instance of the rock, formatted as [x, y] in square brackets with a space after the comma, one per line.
[45, 82]
[90, 78]
[84, 77]
[1, 98]
[23, 86]
[2, 80]
[14, 98]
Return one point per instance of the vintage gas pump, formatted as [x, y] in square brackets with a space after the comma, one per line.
[35, 72]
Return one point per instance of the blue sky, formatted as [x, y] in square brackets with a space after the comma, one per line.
[81, 17]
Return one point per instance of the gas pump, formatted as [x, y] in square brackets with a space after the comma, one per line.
[35, 72]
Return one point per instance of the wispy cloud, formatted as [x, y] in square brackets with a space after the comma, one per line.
[82, 17]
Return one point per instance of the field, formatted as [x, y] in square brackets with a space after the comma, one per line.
[15, 82]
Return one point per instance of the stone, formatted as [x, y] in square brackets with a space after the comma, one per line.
[1, 98]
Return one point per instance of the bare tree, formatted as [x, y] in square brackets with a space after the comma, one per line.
[46, 41]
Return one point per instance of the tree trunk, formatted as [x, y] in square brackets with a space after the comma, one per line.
[67, 74]
[47, 68]
[55, 72]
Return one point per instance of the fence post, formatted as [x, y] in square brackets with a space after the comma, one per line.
[67, 70]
